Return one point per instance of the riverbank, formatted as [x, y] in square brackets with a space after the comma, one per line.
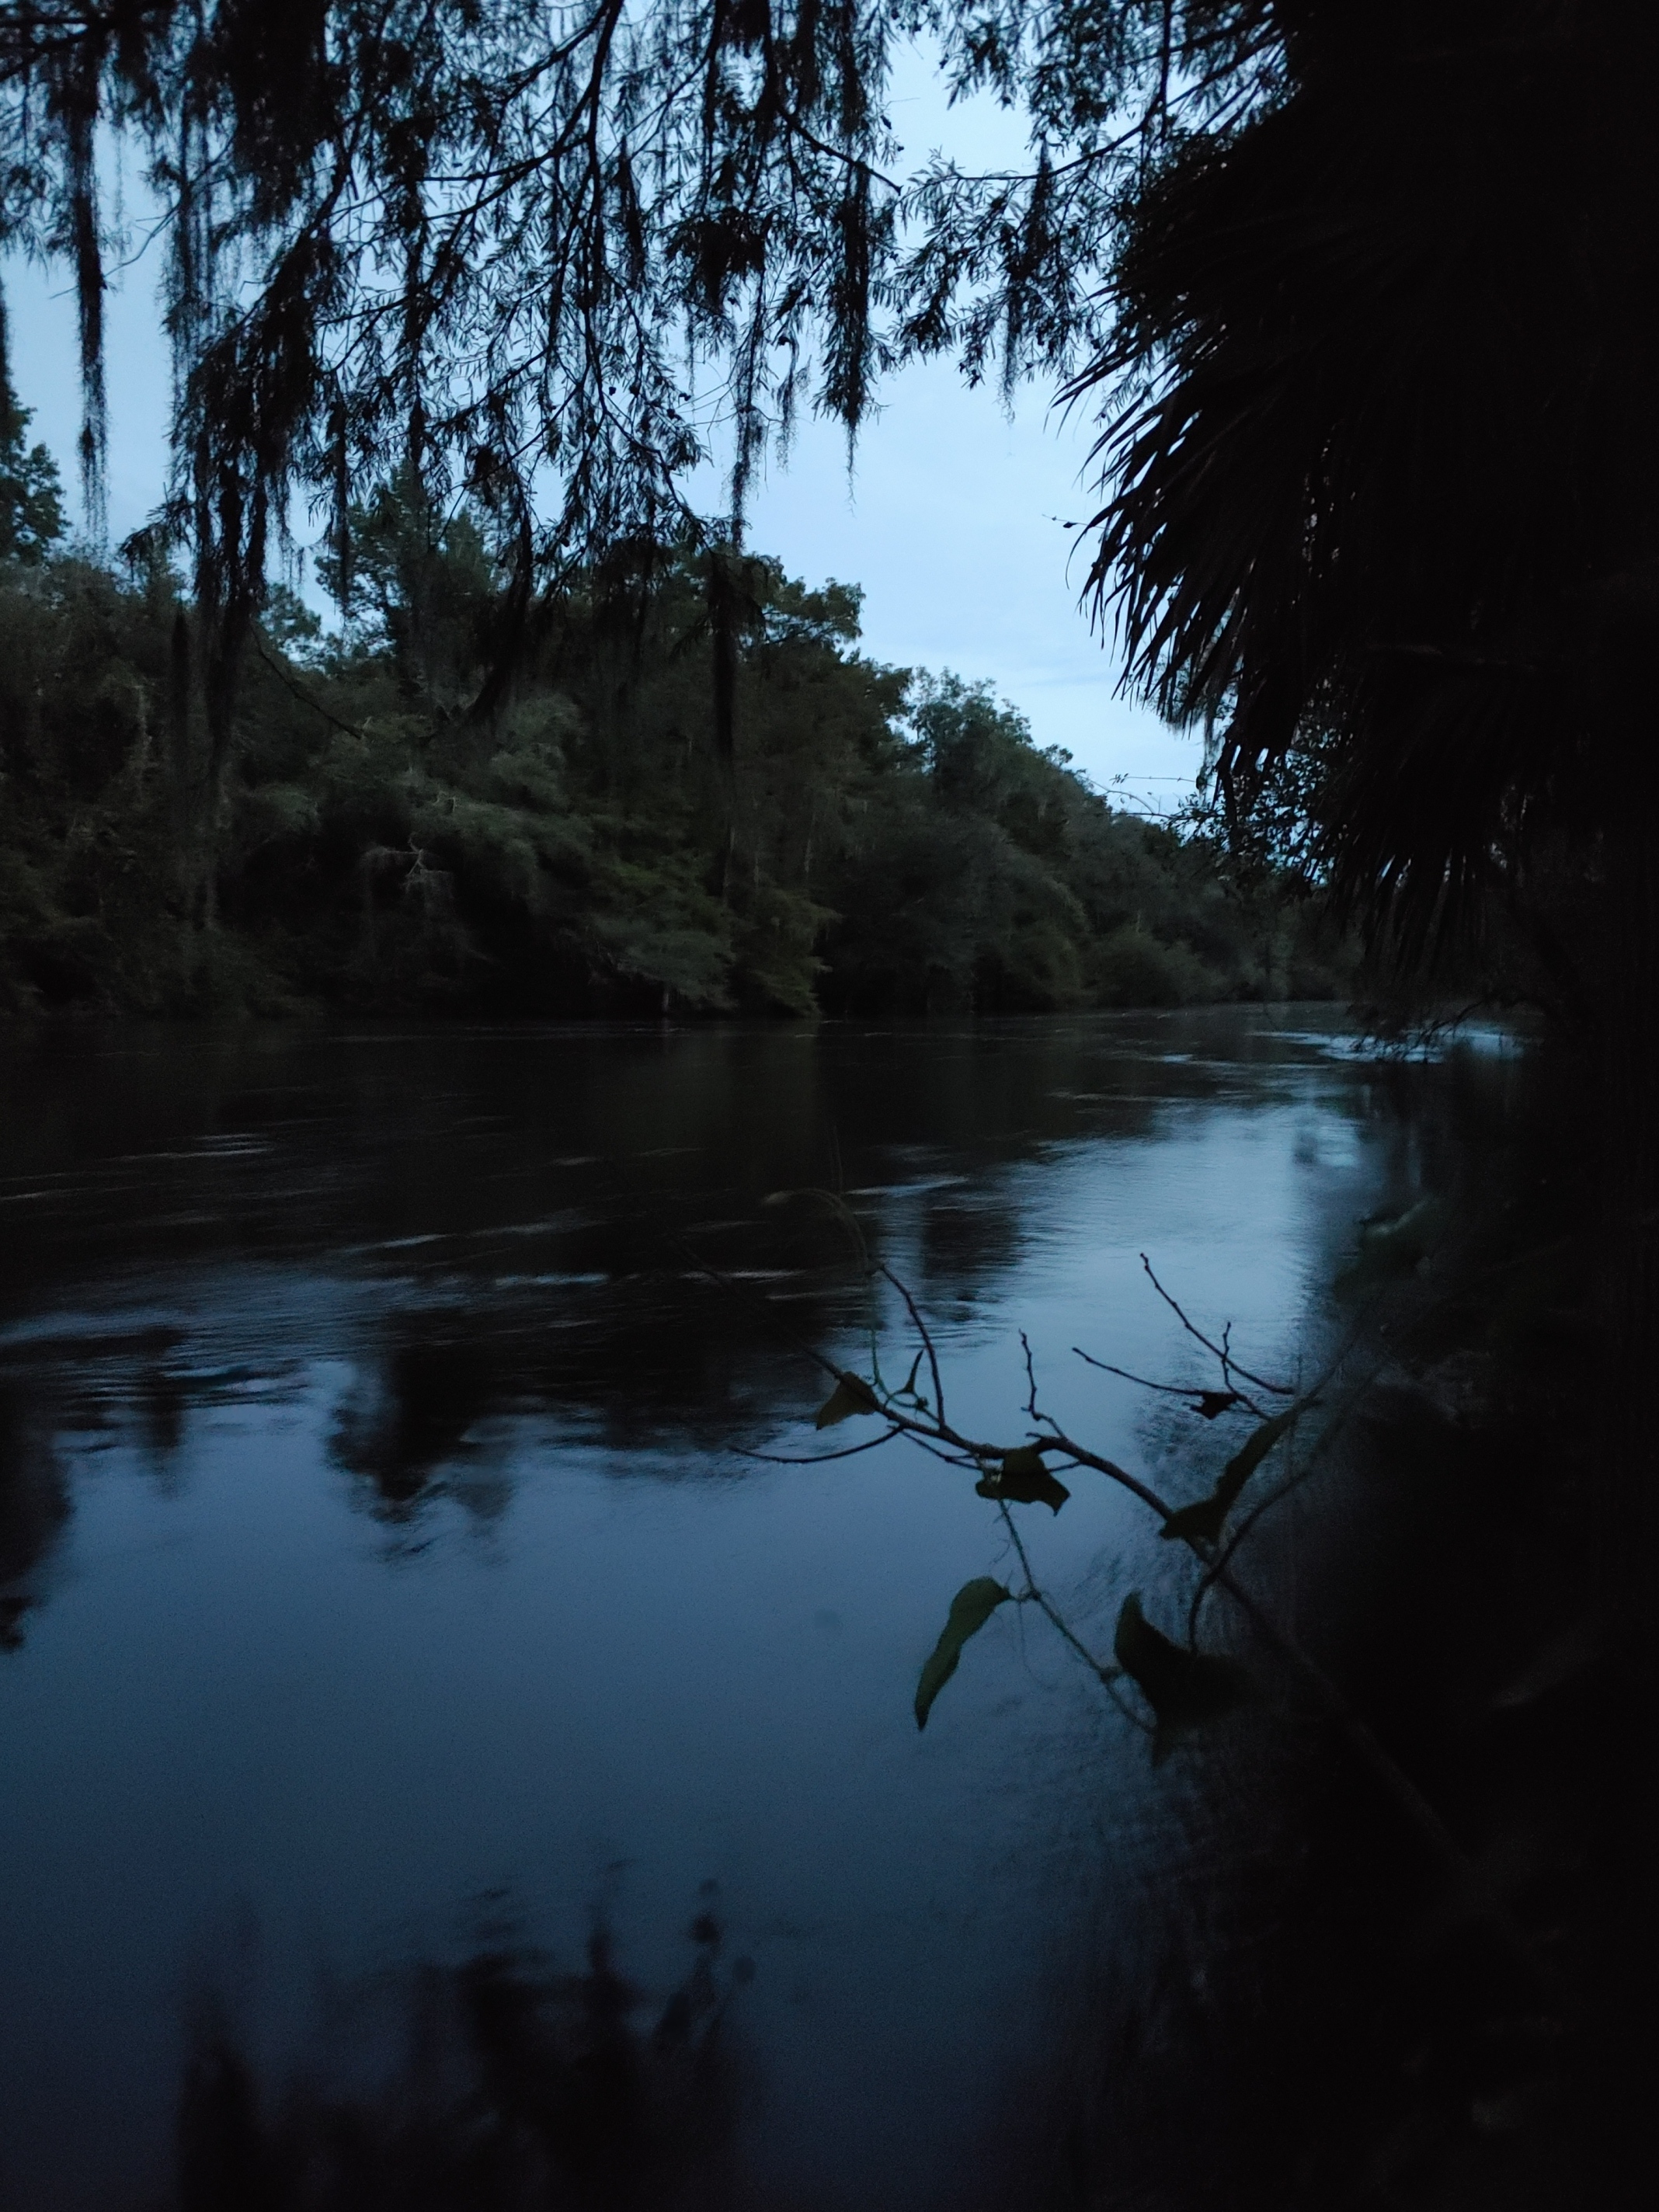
[1376, 2018]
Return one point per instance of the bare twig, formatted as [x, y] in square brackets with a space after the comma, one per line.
[1169, 1389]
[1106, 1676]
[1031, 1405]
[925, 1333]
[1221, 1351]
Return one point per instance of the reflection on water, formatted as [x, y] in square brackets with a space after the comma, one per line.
[489, 2087]
[375, 1535]
[33, 1508]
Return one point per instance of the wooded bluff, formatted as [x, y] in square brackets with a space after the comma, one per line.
[691, 793]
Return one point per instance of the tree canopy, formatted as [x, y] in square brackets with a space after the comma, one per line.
[872, 841]
[1360, 289]
[551, 259]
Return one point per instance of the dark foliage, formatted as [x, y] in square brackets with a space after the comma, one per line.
[611, 833]
[1383, 494]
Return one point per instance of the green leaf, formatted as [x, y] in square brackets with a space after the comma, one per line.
[1185, 1689]
[852, 1394]
[1023, 1480]
[971, 1608]
[1203, 1523]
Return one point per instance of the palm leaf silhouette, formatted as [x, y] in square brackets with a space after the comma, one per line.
[1379, 463]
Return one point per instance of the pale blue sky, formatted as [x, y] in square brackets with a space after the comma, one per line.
[952, 523]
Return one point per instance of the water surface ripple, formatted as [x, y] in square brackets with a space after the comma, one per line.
[381, 1575]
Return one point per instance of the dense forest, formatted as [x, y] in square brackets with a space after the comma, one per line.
[390, 827]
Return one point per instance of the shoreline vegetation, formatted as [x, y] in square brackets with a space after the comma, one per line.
[694, 794]
[1396, 2032]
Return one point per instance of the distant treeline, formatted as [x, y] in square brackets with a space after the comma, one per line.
[676, 785]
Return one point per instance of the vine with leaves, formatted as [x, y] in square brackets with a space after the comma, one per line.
[1168, 1687]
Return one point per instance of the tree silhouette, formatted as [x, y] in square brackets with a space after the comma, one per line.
[552, 258]
[1360, 288]
[1383, 484]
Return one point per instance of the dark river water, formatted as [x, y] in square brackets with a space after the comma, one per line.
[384, 1585]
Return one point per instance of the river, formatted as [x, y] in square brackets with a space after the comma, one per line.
[387, 1583]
